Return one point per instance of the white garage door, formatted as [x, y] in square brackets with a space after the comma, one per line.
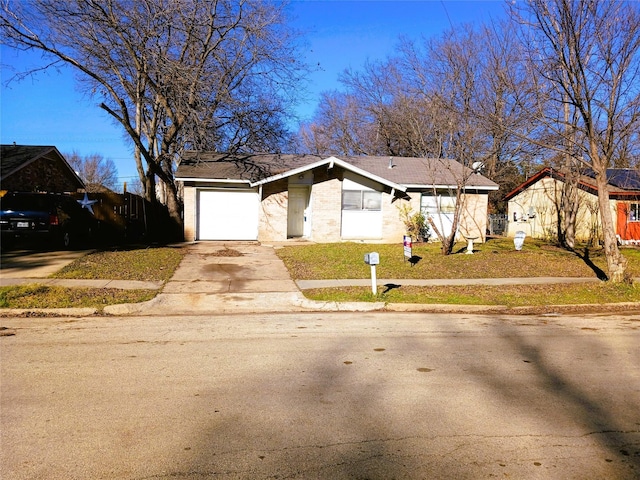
[228, 214]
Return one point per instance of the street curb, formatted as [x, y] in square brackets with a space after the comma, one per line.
[445, 308]
[306, 305]
[49, 312]
[318, 306]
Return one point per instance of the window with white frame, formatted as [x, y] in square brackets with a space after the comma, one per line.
[634, 212]
[361, 200]
[432, 205]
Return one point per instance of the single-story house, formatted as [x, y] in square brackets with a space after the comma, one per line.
[533, 206]
[275, 197]
[26, 168]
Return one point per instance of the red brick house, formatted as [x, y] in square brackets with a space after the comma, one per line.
[25, 168]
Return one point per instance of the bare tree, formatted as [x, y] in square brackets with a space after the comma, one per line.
[505, 122]
[174, 74]
[339, 127]
[586, 54]
[444, 98]
[94, 170]
[467, 77]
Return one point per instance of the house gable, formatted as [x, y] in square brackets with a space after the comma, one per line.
[36, 168]
[533, 206]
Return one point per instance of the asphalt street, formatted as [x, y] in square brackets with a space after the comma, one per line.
[320, 395]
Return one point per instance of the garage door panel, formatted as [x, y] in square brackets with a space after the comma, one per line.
[228, 214]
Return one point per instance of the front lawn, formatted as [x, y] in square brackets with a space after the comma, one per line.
[144, 264]
[495, 259]
[43, 296]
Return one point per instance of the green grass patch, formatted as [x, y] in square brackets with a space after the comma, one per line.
[497, 258]
[144, 264]
[147, 264]
[507, 295]
[42, 296]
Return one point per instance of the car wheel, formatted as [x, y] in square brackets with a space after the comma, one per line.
[66, 239]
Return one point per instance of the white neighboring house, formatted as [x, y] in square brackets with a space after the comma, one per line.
[533, 206]
[274, 197]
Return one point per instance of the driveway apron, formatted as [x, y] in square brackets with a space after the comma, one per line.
[227, 277]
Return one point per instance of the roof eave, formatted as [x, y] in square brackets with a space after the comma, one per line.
[331, 161]
[441, 187]
[210, 180]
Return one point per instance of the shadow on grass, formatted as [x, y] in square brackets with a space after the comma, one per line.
[390, 286]
[584, 256]
[413, 260]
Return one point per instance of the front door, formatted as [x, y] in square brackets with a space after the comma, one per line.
[297, 210]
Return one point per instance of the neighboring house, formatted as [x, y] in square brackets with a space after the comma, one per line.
[25, 168]
[271, 197]
[533, 206]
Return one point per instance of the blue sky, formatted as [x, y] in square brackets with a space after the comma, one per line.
[49, 109]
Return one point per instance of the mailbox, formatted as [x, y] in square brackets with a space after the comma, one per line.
[372, 258]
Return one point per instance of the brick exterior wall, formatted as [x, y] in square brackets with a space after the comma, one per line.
[43, 175]
[189, 219]
[326, 209]
[272, 225]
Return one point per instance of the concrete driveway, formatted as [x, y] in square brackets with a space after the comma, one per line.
[224, 277]
[221, 267]
[35, 263]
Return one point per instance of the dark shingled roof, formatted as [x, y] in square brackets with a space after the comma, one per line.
[251, 167]
[623, 178]
[405, 171]
[14, 157]
[620, 181]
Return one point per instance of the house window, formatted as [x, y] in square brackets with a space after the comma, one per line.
[361, 200]
[634, 212]
[432, 205]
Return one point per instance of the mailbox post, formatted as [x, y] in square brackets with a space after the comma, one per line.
[372, 259]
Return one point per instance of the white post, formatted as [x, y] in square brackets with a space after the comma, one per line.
[470, 245]
[374, 287]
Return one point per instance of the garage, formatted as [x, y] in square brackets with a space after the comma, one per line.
[227, 214]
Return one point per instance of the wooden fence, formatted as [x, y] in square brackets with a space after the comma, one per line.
[129, 218]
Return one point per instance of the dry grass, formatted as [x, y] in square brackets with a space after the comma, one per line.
[495, 259]
[506, 295]
[41, 296]
[146, 264]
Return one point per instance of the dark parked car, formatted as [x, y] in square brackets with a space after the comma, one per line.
[55, 219]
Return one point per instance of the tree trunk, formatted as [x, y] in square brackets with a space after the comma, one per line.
[175, 211]
[568, 200]
[568, 210]
[616, 263]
